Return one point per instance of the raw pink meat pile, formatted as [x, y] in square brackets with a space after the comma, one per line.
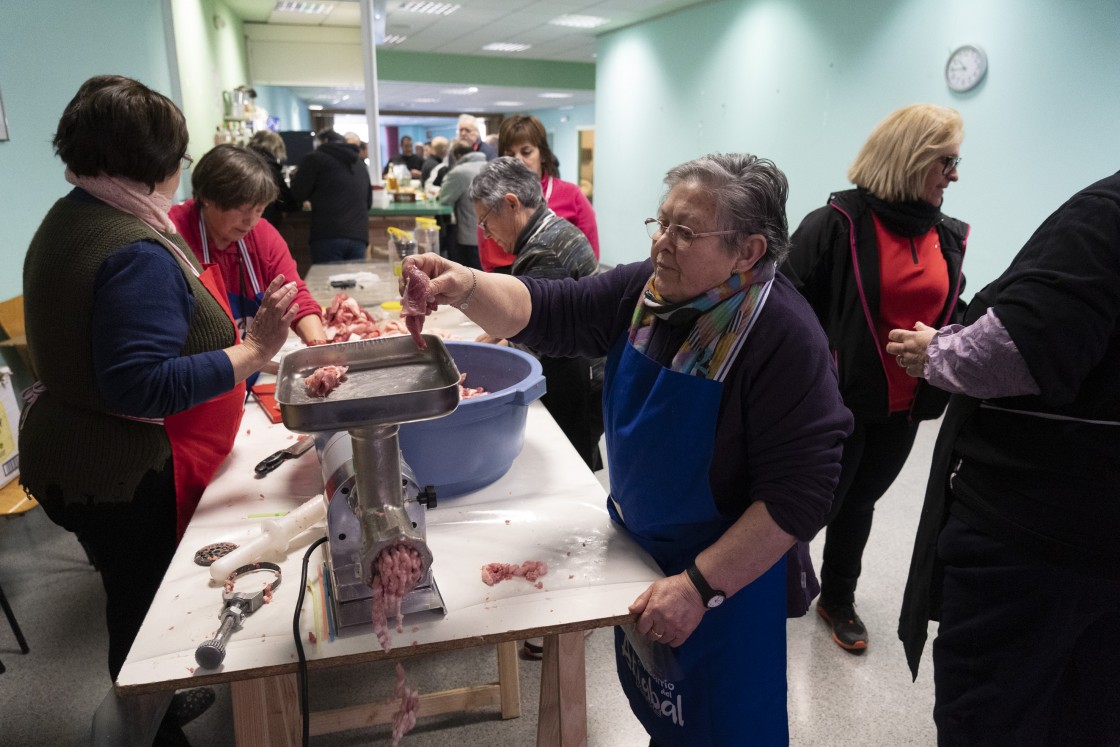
[530, 570]
[414, 304]
[466, 392]
[346, 320]
[325, 380]
[395, 571]
[405, 717]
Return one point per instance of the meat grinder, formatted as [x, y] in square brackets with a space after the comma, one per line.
[373, 499]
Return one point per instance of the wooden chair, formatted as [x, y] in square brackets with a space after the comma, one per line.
[13, 502]
[11, 326]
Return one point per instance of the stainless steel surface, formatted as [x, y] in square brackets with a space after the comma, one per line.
[390, 381]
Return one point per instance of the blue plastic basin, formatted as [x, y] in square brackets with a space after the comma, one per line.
[477, 443]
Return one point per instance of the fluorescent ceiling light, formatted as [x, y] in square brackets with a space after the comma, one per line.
[426, 101]
[509, 103]
[287, 6]
[436, 9]
[505, 47]
[579, 22]
[554, 95]
[315, 107]
[469, 91]
[393, 39]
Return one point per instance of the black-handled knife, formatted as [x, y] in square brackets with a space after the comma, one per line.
[302, 444]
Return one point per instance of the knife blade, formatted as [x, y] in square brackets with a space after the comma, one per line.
[271, 462]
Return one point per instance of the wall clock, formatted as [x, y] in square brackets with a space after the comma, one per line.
[966, 67]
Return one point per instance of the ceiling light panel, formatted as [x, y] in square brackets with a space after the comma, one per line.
[283, 6]
[579, 22]
[438, 9]
[505, 47]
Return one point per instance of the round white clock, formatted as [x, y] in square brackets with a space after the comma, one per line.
[966, 67]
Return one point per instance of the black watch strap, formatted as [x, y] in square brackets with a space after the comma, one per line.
[711, 597]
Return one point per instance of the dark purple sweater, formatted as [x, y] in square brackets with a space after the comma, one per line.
[782, 421]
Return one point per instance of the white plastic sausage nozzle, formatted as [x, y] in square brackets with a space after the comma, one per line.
[274, 537]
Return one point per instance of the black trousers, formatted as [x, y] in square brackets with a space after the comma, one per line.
[873, 457]
[1026, 653]
[575, 400]
[132, 544]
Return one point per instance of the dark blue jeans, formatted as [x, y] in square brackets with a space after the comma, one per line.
[1026, 653]
[337, 250]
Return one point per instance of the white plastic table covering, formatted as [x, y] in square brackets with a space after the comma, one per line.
[548, 507]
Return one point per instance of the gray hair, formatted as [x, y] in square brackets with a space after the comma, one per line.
[506, 175]
[749, 193]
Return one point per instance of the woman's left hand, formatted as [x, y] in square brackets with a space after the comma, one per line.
[909, 347]
[669, 610]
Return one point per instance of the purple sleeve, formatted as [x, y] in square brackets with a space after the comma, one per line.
[141, 315]
[980, 360]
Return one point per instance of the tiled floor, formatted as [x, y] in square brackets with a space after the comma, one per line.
[835, 698]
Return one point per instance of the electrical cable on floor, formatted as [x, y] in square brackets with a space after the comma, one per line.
[302, 673]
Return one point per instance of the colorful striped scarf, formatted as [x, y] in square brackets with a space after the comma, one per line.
[720, 318]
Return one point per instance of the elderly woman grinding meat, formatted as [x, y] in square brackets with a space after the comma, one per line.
[233, 186]
[724, 428]
[140, 364]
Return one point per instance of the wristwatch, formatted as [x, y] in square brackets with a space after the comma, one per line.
[712, 598]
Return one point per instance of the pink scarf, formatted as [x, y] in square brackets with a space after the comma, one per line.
[128, 196]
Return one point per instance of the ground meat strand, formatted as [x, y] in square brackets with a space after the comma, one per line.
[325, 380]
[395, 572]
[530, 570]
[405, 717]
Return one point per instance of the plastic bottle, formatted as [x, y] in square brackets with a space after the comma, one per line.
[427, 235]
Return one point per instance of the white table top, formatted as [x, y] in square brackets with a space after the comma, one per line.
[548, 507]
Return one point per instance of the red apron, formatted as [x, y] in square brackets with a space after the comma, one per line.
[202, 437]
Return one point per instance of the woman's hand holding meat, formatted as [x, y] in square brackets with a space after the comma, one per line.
[498, 303]
[268, 332]
[669, 610]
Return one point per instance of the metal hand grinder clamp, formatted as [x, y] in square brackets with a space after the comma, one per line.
[238, 604]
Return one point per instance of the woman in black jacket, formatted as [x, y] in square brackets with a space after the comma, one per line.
[878, 257]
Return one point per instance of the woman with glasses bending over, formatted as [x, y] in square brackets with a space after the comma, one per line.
[141, 368]
[875, 258]
[724, 427]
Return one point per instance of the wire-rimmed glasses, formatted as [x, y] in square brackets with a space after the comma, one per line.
[681, 237]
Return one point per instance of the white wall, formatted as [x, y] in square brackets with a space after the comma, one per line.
[804, 81]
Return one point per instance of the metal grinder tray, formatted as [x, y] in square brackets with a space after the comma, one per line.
[390, 380]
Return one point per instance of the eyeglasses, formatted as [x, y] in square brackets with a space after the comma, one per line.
[186, 161]
[950, 163]
[482, 221]
[681, 237]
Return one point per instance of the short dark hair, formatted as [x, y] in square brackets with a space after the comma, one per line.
[460, 148]
[119, 127]
[230, 176]
[522, 128]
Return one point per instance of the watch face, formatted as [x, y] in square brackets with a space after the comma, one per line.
[966, 68]
[716, 601]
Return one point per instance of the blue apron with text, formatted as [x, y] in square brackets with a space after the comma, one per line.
[725, 685]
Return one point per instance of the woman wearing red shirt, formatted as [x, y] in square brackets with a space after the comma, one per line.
[524, 138]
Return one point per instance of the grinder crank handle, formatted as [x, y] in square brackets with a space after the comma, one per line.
[210, 654]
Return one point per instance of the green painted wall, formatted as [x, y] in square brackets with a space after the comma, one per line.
[804, 81]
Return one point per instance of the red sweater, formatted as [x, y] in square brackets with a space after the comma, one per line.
[566, 200]
[267, 250]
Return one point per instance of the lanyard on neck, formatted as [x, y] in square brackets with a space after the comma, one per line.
[251, 270]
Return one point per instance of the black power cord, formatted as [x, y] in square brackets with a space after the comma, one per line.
[302, 674]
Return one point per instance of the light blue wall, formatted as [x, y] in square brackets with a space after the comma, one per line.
[562, 126]
[282, 103]
[47, 49]
[804, 81]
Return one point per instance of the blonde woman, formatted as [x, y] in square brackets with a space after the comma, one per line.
[875, 258]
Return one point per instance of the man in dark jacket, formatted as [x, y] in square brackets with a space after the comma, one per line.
[336, 182]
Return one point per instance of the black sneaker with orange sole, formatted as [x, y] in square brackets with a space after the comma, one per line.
[848, 631]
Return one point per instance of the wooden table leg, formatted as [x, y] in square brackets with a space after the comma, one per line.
[509, 679]
[266, 712]
[563, 705]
